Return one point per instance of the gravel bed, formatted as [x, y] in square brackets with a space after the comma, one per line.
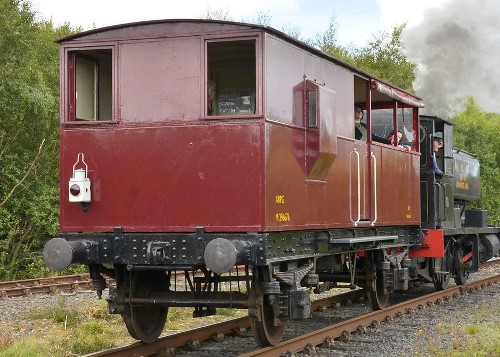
[401, 337]
[13, 310]
[396, 338]
[411, 334]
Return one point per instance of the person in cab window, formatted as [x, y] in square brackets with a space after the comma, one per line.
[438, 144]
[399, 136]
[360, 128]
[212, 97]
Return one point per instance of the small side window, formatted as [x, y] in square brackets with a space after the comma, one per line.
[91, 83]
[312, 108]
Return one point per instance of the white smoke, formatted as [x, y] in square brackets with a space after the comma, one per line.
[457, 49]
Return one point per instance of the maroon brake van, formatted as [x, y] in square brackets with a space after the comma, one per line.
[203, 146]
[225, 126]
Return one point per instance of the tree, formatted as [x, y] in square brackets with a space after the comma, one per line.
[29, 108]
[216, 14]
[327, 42]
[261, 18]
[383, 57]
[476, 132]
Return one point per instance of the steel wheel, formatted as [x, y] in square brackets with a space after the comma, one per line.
[264, 330]
[378, 295]
[462, 273]
[439, 276]
[146, 322]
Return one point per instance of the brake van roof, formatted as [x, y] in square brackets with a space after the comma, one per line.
[173, 27]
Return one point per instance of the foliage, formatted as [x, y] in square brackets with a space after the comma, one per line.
[476, 132]
[383, 57]
[261, 18]
[29, 106]
[328, 43]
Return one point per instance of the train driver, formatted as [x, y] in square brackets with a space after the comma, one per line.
[438, 144]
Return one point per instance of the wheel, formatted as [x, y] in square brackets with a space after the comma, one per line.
[378, 294]
[441, 272]
[145, 322]
[264, 330]
[461, 270]
[378, 297]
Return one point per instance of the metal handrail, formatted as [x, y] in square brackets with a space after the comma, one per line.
[359, 189]
[374, 186]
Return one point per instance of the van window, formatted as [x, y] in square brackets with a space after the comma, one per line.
[231, 77]
[91, 83]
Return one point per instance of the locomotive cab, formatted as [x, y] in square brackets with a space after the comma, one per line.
[456, 238]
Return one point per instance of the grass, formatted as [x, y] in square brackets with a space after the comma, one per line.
[479, 336]
[63, 331]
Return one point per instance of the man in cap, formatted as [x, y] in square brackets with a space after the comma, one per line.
[438, 144]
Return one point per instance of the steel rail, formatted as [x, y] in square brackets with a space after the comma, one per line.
[327, 334]
[233, 326]
[44, 285]
[206, 332]
[54, 284]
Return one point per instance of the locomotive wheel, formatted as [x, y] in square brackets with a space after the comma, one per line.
[264, 330]
[378, 295]
[441, 281]
[461, 270]
[146, 322]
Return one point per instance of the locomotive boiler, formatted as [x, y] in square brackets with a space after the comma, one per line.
[227, 151]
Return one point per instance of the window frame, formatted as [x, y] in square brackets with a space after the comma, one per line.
[311, 86]
[206, 40]
[68, 84]
[96, 75]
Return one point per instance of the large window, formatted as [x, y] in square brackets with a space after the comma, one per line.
[91, 83]
[231, 77]
[393, 114]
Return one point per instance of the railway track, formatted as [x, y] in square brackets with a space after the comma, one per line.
[28, 287]
[64, 283]
[193, 339]
[75, 282]
[306, 343]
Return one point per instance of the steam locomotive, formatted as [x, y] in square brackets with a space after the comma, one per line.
[227, 151]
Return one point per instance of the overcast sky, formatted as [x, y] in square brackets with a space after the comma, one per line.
[357, 20]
